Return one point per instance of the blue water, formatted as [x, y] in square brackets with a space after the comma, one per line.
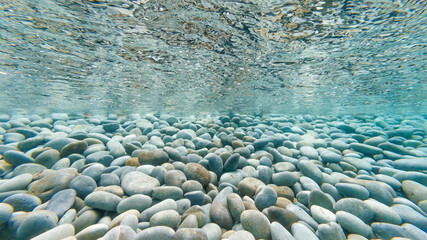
[207, 57]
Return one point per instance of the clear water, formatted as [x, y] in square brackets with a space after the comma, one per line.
[213, 56]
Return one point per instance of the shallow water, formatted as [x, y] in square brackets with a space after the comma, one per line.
[204, 57]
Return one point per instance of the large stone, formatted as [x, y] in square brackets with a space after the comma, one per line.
[102, 200]
[278, 232]
[413, 190]
[283, 216]
[74, 147]
[219, 209]
[36, 223]
[16, 158]
[302, 232]
[383, 213]
[154, 157]
[356, 207]
[83, 185]
[6, 211]
[195, 171]
[409, 215]
[61, 202]
[265, 198]
[138, 202]
[23, 202]
[330, 231]
[169, 218]
[248, 186]
[16, 183]
[138, 183]
[310, 170]
[353, 224]
[256, 223]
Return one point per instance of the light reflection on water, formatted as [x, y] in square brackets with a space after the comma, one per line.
[214, 56]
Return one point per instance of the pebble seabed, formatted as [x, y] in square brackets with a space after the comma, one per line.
[232, 177]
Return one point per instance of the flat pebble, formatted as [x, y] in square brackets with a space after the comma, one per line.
[138, 183]
[256, 223]
[102, 200]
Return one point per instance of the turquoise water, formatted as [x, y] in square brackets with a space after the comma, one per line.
[204, 57]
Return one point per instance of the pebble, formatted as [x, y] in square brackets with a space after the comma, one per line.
[352, 190]
[302, 232]
[383, 213]
[265, 198]
[278, 232]
[36, 223]
[310, 170]
[102, 200]
[353, 224]
[241, 234]
[331, 231]
[174, 178]
[83, 185]
[156, 233]
[6, 211]
[415, 191]
[93, 232]
[356, 207]
[16, 158]
[219, 212]
[121, 232]
[154, 157]
[283, 216]
[61, 202]
[195, 171]
[167, 204]
[190, 234]
[235, 206]
[256, 223]
[23, 202]
[284, 179]
[139, 202]
[138, 183]
[169, 218]
[322, 215]
[16, 183]
[57, 233]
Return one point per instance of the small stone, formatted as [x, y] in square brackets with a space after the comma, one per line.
[31, 168]
[36, 223]
[154, 157]
[265, 198]
[195, 197]
[219, 209]
[138, 202]
[6, 211]
[353, 224]
[416, 192]
[16, 183]
[189, 222]
[352, 190]
[121, 232]
[366, 149]
[310, 170]
[330, 231]
[198, 212]
[195, 171]
[235, 206]
[256, 223]
[248, 186]
[191, 185]
[309, 152]
[283, 216]
[330, 157]
[93, 232]
[278, 232]
[409, 215]
[165, 192]
[322, 215]
[302, 215]
[169, 218]
[215, 163]
[284, 179]
[241, 234]
[138, 183]
[212, 230]
[23, 202]
[61, 202]
[74, 147]
[232, 163]
[190, 234]
[302, 232]
[156, 233]
[174, 178]
[86, 219]
[383, 213]
[167, 204]
[356, 207]
[83, 185]
[320, 198]
[16, 158]
[102, 200]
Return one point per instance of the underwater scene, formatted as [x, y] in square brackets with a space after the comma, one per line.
[213, 119]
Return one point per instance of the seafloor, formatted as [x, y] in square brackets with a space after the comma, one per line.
[71, 176]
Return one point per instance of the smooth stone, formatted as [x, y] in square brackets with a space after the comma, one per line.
[86, 219]
[265, 198]
[195, 171]
[353, 224]
[284, 179]
[330, 231]
[232, 163]
[359, 164]
[415, 191]
[414, 176]
[154, 157]
[391, 231]
[219, 209]
[191, 185]
[278, 232]
[11, 137]
[322, 215]
[212, 230]
[31, 168]
[138, 202]
[121, 232]
[309, 152]
[256, 223]
[394, 183]
[264, 174]
[383, 213]
[16, 158]
[174, 178]
[195, 197]
[330, 156]
[83, 185]
[94, 171]
[156, 233]
[283, 216]
[366, 149]
[59, 143]
[16, 183]
[411, 164]
[23, 202]
[119, 219]
[93, 232]
[356, 207]
[189, 222]
[61, 164]
[30, 143]
[57, 233]
[284, 166]
[136, 182]
[169, 218]
[68, 217]
[61, 202]
[190, 234]
[165, 192]
[167, 204]
[320, 198]
[409, 215]
[232, 178]
[302, 232]
[310, 170]
[215, 163]
[102, 200]
[200, 213]
[248, 186]
[285, 192]
[352, 190]
[111, 126]
[6, 211]
[109, 179]
[241, 234]
[302, 215]
[74, 147]
[96, 157]
[36, 223]
[235, 206]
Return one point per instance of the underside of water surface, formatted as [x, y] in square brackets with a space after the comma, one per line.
[213, 56]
